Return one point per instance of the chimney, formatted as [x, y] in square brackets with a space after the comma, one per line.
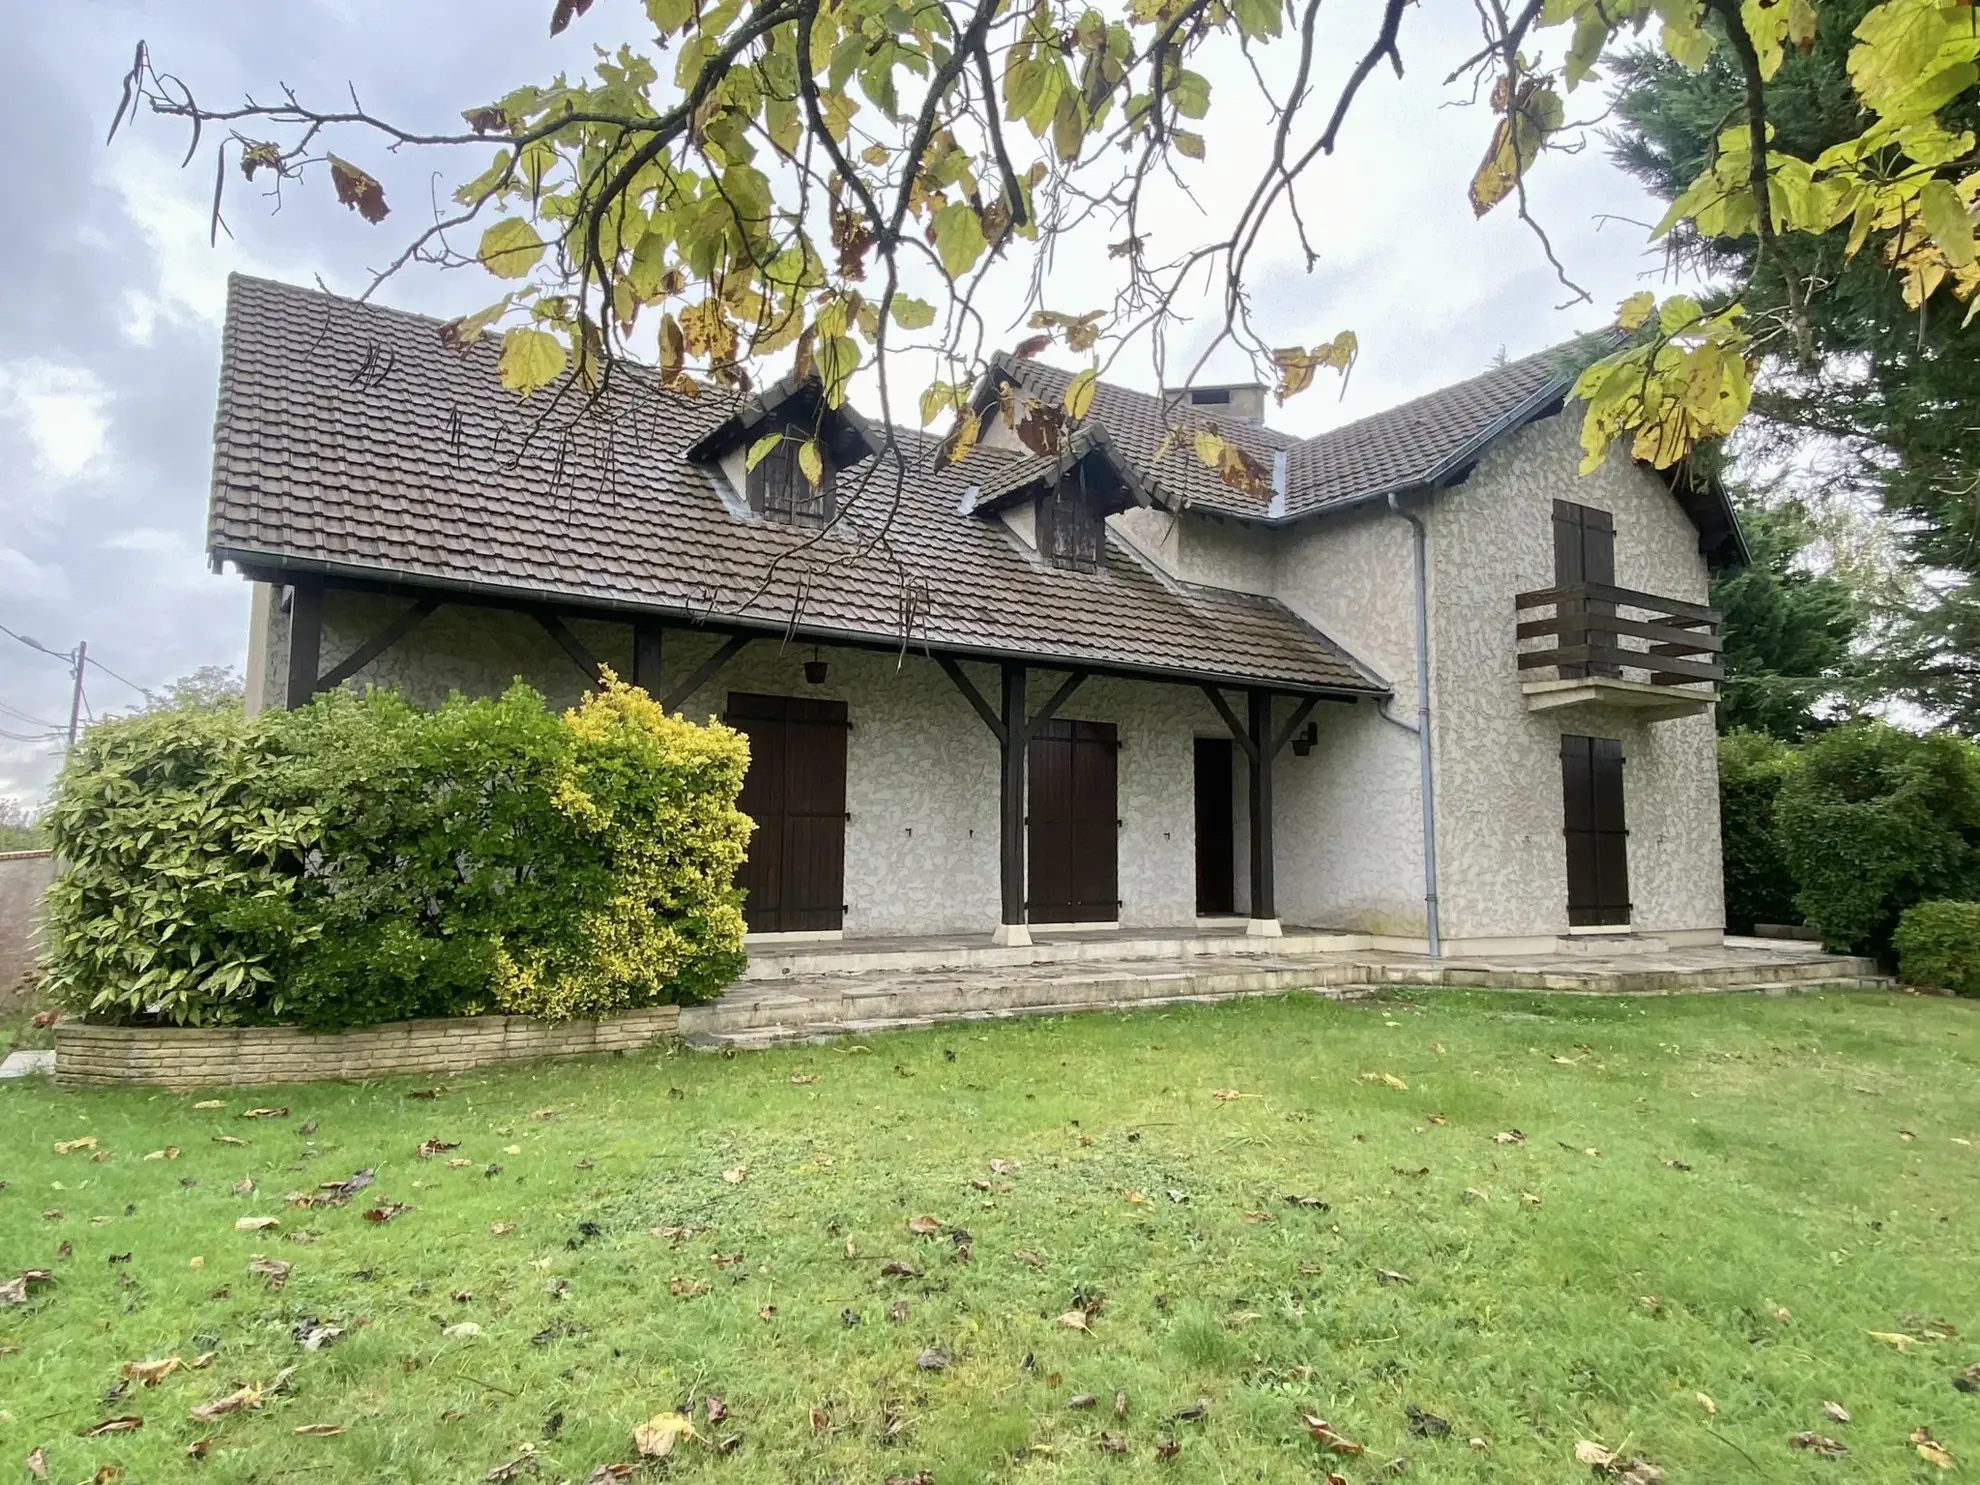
[1234, 402]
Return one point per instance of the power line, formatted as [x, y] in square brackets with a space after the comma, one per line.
[141, 690]
[35, 644]
[19, 715]
[53, 736]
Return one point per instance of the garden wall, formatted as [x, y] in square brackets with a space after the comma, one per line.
[232, 1056]
[24, 877]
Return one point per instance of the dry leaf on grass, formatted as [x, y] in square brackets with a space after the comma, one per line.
[1509, 1137]
[228, 1139]
[319, 1430]
[1390, 1276]
[86, 1142]
[820, 1423]
[934, 1359]
[924, 1224]
[608, 1474]
[1705, 1402]
[1835, 1412]
[1389, 1078]
[151, 1373]
[1930, 1449]
[736, 1176]
[255, 1224]
[126, 1424]
[1300, 1199]
[37, 1463]
[655, 1438]
[1076, 1320]
[1324, 1434]
[275, 1270]
[386, 1211]
[281, 1113]
[804, 1079]
[501, 1229]
[428, 1148]
[895, 1269]
[247, 1396]
[14, 1291]
[1894, 1338]
[1229, 1095]
[211, 1103]
[170, 1152]
[1605, 1461]
[1820, 1443]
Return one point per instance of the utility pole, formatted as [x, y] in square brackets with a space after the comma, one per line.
[75, 696]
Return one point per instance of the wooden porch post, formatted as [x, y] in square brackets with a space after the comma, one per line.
[1010, 812]
[1264, 910]
[646, 655]
[305, 639]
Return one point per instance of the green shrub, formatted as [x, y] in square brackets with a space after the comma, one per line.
[1873, 820]
[177, 889]
[364, 861]
[1759, 885]
[1938, 944]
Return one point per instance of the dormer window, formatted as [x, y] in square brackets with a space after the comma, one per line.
[778, 490]
[1069, 528]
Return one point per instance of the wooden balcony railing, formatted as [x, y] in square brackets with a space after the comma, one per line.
[1602, 631]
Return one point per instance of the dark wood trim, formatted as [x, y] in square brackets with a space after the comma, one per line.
[1263, 897]
[1299, 716]
[731, 647]
[485, 595]
[1238, 733]
[973, 696]
[378, 644]
[1570, 627]
[1688, 670]
[1010, 795]
[1609, 593]
[557, 629]
[1057, 699]
[648, 636]
[305, 639]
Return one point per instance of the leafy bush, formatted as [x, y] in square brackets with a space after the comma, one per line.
[1938, 944]
[177, 889]
[363, 861]
[1759, 885]
[1873, 820]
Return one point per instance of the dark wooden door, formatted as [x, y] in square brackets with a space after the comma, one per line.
[1585, 552]
[1072, 809]
[1597, 834]
[795, 791]
[1216, 832]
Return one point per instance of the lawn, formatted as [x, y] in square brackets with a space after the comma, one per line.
[1769, 1203]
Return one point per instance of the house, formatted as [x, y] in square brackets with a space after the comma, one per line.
[1101, 688]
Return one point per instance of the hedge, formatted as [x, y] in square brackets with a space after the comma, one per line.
[1759, 884]
[1873, 820]
[1938, 945]
[360, 860]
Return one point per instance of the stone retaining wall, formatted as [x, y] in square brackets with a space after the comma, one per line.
[24, 877]
[203, 1057]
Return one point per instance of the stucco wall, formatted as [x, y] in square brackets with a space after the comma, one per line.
[1501, 859]
[24, 877]
[921, 769]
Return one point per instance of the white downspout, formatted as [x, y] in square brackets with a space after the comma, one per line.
[1426, 779]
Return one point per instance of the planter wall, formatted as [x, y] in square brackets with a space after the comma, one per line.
[212, 1057]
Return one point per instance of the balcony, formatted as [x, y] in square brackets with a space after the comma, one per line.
[1616, 648]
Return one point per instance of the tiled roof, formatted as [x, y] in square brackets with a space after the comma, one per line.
[350, 439]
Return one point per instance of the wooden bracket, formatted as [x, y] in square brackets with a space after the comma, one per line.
[558, 630]
[378, 644]
[731, 647]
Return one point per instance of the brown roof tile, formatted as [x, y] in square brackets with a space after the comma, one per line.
[349, 438]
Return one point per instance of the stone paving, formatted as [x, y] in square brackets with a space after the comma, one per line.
[21, 1064]
[922, 982]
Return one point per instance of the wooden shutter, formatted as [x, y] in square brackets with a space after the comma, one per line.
[779, 491]
[795, 791]
[1585, 552]
[1068, 528]
[1596, 830]
[1216, 832]
[1072, 836]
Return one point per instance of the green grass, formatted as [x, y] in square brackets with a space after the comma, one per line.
[1806, 1220]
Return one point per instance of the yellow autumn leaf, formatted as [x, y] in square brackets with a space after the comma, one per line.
[761, 449]
[530, 359]
[811, 459]
[510, 248]
[1078, 398]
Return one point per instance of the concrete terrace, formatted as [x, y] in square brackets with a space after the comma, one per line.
[794, 991]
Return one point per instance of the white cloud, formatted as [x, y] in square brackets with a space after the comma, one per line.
[61, 411]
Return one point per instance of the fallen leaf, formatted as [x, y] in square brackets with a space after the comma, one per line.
[245, 1396]
[462, 1331]
[127, 1424]
[255, 1224]
[170, 1152]
[1528, 1199]
[426, 1093]
[86, 1142]
[1006, 1167]
[312, 1335]
[895, 1269]
[202, 1361]
[1256, 1217]
[767, 1312]
[924, 1225]
[228, 1139]
[1930, 1449]
[386, 1211]
[1477, 1193]
[1075, 1320]
[1707, 1404]
[510, 1468]
[1903, 1134]
[686, 1288]
[1113, 1443]
[281, 1113]
[211, 1103]
[1821, 1443]
[198, 1447]
[1894, 1338]
[608, 1474]
[1167, 1449]
[512, 1149]
[1134, 1198]
[1298, 1199]
[1424, 1425]
[1673, 1164]
[37, 1463]
[1390, 1276]
[934, 1359]
[1324, 1434]
[1835, 1412]
[804, 1079]
[819, 1422]
[1509, 1137]
[151, 1373]
[1082, 1400]
[319, 1430]
[1229, 1095]
[736, 1176]
[430, 1147]
[501, 1229]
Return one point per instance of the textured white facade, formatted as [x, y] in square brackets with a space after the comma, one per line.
[921, 843]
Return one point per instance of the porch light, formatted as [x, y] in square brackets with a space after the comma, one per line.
[814, 669]
[1309, 735]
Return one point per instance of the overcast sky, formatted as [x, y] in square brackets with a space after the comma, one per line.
[109, 339]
